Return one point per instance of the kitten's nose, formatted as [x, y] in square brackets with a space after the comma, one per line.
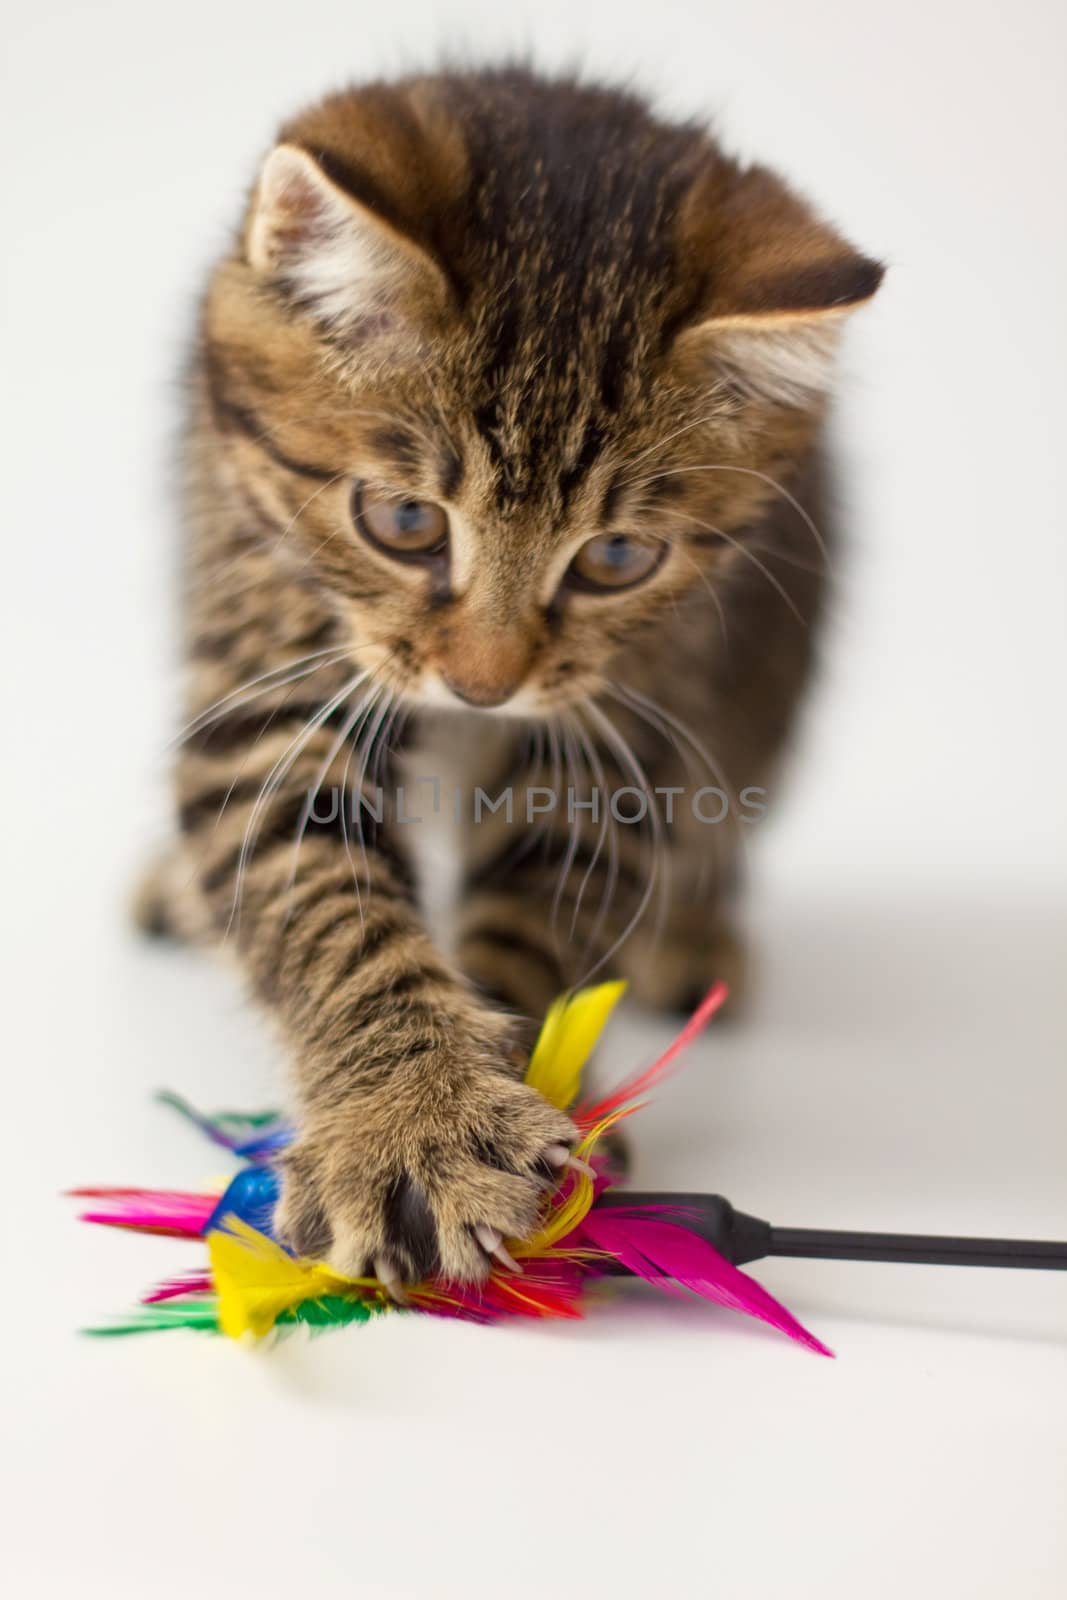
[476, 693]
[483, 665]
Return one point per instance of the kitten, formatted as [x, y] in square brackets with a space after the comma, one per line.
[503, 439]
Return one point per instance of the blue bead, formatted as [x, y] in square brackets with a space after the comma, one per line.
[252, 1196]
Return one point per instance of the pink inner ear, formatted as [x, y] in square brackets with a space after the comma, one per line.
[292, 208]
[341, 256]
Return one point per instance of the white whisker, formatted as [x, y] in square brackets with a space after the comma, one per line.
[334, 751]
[607, 829]
[276, 777]
[672, 728]
[571, 773]
[660, 444]
[655, 876]
[752, 472]
[218, 708]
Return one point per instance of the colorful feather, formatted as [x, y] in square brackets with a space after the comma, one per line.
[251, 1134]
[666, 1254]
[256, 1280]
[572, 1027]
[628, 1092]
[227, 1128]
[195, 1282]
[168, 1211]
[198, 1312]
[254, 1285]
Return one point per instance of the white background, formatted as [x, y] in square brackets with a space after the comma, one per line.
[904, 1063]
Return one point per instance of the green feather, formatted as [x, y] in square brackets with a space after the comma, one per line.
[331, 1311]
[236, 1125]
[201, 1312]
[193, 1311]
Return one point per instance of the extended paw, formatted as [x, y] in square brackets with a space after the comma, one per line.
[403, 1189]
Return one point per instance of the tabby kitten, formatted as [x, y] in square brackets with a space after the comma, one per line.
[503, 443]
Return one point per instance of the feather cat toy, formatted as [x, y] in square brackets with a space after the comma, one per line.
[589, 1231]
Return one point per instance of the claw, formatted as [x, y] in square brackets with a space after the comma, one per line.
[390, 1280]
[492, 1243]
[580, 1166]
[558, 1155]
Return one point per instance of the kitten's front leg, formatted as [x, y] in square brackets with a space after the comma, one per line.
[548, 889]
[419, 1147]
[614, 878]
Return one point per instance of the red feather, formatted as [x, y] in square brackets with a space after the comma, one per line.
[587, 1116]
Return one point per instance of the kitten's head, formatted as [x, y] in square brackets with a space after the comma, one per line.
[506, 364]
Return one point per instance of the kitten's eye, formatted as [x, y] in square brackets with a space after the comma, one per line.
[399, 526]
[615, 561]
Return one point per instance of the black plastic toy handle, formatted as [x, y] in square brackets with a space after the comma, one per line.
[740, 1238]
[928, 1249]
[735, 1234]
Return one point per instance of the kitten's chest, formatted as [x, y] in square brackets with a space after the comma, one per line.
[450, 757]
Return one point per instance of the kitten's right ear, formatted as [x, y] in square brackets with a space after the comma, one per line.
[338, 256]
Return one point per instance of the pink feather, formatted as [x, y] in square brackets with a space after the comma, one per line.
[169, 1211]
[184, 1283]
[667, 1255]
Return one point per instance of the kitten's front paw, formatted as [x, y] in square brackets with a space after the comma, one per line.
[426, 1177]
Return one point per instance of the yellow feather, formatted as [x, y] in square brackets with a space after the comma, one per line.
[561, 1220]
[256, 1281]
[571, 1029]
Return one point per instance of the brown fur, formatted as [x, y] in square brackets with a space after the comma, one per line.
[569, 317]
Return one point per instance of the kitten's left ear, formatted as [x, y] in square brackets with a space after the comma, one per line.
[779, 285]
[342, 257]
